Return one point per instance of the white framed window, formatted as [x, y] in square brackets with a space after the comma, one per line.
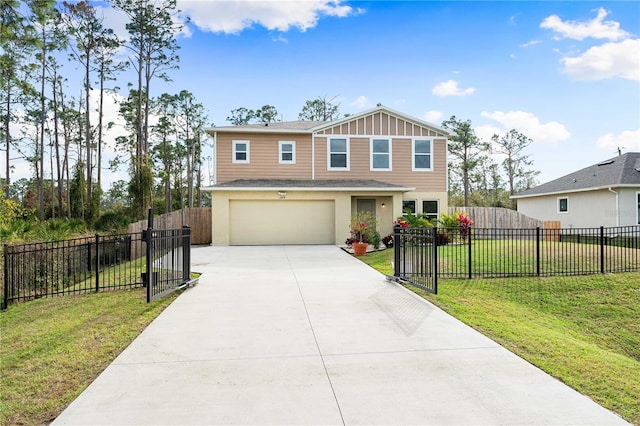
[638, 199]
[338, 154]
[287, 152]
[422, 155]
[431, 208]
[563, 204]
[408, 205]
[380, 154]
[240, 152]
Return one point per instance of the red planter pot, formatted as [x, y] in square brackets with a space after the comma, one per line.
[359, 249]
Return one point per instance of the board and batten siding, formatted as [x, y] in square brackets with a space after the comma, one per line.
[382, 124]
[263, 157]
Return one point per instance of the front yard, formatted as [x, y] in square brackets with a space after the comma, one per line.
[584, 330]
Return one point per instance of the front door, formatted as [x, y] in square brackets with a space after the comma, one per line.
[366, 205]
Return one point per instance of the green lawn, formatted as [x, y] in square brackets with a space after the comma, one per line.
[52, 349]
[584, 330]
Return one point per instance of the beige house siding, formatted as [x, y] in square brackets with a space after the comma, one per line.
[401, 172]
[628, 199]
[264, 151]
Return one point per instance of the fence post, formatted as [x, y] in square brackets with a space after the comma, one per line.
[537, 251]
[470, 256]
[97, 263]
[186, 253]
[602, 249]
[6, 276]
[396, 251]
[434, 259]
[148, 237]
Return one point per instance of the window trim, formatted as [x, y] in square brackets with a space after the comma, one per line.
[348, 153]
[293, 152]
[437, 213]
[411, 200]
[413, 155]
[235, 151]
[388, 154]
[558, 205]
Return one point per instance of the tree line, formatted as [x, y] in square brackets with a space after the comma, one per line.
[47, 47]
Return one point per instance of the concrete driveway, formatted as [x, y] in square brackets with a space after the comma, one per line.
[310, 335]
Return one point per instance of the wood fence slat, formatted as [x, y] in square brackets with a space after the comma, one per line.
[497, 217]
[198, 218]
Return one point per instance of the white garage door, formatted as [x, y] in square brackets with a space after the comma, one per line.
[273, 222]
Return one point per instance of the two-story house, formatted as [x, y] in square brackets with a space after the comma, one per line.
[300, 182]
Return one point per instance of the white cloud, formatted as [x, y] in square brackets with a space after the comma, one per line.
[609, 60]
[361, 103]
[486, 131]
[232, 17]
[433, 116]
[595, 28]
[627, 141]
[530, 43]
[527, 124]
[450, 88]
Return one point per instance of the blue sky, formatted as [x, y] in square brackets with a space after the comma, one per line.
[566, 74]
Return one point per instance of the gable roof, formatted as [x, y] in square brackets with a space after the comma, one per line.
[623, 170]
[310, 127]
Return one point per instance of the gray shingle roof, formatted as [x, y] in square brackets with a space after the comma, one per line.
[623, 170]
[298, 125]
[308, 183]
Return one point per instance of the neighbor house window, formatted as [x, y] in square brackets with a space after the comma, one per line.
[287, 152]
[408, 205]
[380, 154]
[638, 195]
[422, 152]
[431, 209]
[338, 154]
[563, 205]
[241, 152]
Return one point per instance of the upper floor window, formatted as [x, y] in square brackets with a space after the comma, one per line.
[563, 205]
[287, 152]
[422, 152]
[409, 205]
[241, 152]
[338, 154]
[380, 154]
[431, 209]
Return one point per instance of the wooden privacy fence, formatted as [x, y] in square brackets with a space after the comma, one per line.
[197, 218]
[497, 217]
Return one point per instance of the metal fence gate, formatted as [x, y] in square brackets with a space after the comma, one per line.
[168, 260]
[415, 257]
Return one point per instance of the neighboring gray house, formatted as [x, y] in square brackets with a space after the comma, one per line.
[605, 194]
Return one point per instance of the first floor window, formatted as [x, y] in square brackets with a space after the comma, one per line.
[422, 154]
[240, 152]
[287, 152]
[409, 205]
[430, 208]
[638, 195]
[338, 154]
[563, 205]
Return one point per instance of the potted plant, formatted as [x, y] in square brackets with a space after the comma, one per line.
[362, 229]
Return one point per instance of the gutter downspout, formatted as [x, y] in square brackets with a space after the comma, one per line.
[617, 207]
[215, 158]
[313, 156]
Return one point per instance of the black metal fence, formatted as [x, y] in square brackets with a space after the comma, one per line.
[424, 255]
[98, 263]
[168, 260]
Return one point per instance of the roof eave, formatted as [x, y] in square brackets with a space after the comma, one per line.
[306, 189]
[266, 129]
[594, 188]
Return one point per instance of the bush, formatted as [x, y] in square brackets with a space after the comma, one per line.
[112, 221]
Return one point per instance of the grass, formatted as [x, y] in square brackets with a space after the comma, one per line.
[583, 330]
[52, 349]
